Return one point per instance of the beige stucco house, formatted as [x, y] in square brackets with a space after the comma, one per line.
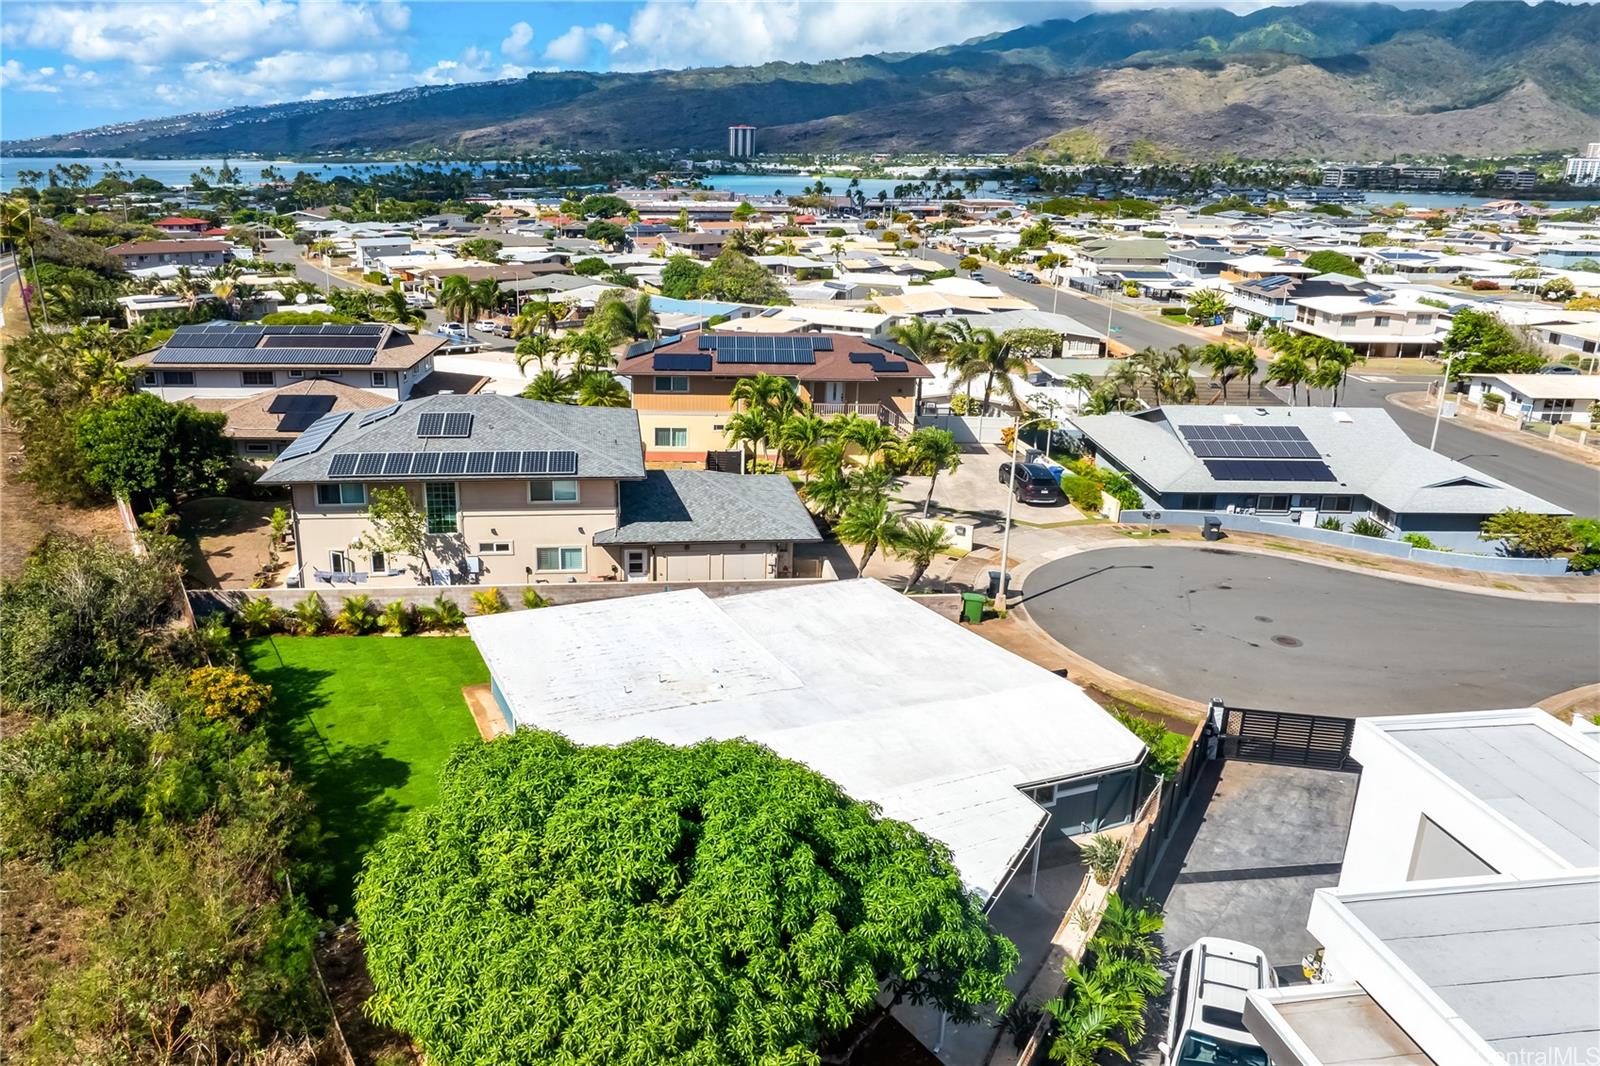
[516, 491]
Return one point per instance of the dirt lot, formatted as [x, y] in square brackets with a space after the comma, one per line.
[25, 519]
[229, 540]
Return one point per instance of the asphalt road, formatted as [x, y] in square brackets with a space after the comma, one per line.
[1561, 481]
[1277, 634]
[1132, 328]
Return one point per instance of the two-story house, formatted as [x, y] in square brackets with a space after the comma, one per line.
[230, 360]
[681, 385]
[1380, 325]
[142, 255]
[516, 491]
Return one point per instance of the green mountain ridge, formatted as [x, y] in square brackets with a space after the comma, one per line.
[1320, 80]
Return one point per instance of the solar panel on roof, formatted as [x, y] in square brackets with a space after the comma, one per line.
[681, 362]
[302, 416]
[1248, 442]
[1268, 470]
[507, 462]
[266, 356]
[425, 463]
[452, 462]
[564, 462]
[369, 464]
[456, 424]
[397, 464]
[315, 436]
[377, 416]
[535, 462]
[480, 462]
[341, 465]
[430, 424]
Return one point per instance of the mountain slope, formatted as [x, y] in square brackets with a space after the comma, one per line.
[1318, 80]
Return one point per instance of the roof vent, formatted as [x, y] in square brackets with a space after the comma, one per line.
[1261, 411]
[1343, 416]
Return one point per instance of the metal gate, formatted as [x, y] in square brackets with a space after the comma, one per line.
[1285, 737]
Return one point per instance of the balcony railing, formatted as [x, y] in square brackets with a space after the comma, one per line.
[883, 413]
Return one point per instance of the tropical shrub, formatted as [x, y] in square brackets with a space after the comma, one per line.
[1537, 536]
[309, 617]
[222, 693]
[258, 617]
[1084, 492]
[489, 601]
[1119, 488]
[1331, 523]
[1419, 540]
[396, 619]
[532, 599]
[357, 616]
[1368, 527]
[1102, 1008]
[1101, 854]
[442, 613]
[960, 403]
[1166, 747]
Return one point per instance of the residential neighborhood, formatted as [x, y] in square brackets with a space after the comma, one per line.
[713, 582]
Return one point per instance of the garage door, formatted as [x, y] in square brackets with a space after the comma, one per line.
[744, 565]
[684, 566]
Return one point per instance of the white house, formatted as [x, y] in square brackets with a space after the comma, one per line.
[1540, 397]
[1463, 931]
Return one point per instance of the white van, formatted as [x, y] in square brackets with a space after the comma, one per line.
[1205, 1026]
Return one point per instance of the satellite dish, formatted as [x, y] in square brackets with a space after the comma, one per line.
[300, 298]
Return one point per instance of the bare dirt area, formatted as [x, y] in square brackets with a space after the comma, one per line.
[344, 969]
[230, 540]
[25, 519]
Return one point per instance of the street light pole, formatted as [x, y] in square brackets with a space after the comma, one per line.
[1438, 413]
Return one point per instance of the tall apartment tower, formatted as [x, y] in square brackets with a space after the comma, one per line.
[1585, 169]
[741, 142]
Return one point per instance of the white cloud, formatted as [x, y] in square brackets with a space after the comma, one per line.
[515, 46]
[46, 79]
[571, 47]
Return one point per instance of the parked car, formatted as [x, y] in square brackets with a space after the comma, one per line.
[418, 299]
[1558, 368]
[1034, 483]
[454, 329]
[487, 325]
[1205, 1025]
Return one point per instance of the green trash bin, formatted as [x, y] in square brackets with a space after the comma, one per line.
[972, 604]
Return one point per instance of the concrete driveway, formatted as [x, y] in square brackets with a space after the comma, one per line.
[1256, 842]
[975, 489]
[1279, 634]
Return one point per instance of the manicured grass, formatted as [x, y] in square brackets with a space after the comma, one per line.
[366, 723]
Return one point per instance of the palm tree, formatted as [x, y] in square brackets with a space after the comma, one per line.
[867, 434]
[931, 451]
[1249, 366]
[589, 348]
[1327, 375]
[1289, 368]
[920, 542]
[1223, 363]
[868, 522]
[991, 357]
[1129, 930]
[624, 315]
[769, 400]
[456, 298]
[598, 388]
[799, 434]
[828, 493]
[747, 428]
[1106, 399]
[392, 307]
[534, 348]
[923, 338]
[551, 386]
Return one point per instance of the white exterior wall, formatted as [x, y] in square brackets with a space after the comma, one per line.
[227, 383]
[1397, 790]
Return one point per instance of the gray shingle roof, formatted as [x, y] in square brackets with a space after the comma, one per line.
[606, 439]
[1367, 452]
[710, 507]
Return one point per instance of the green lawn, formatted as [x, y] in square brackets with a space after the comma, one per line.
[366, 723]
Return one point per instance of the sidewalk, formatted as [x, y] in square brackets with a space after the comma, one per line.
[1504, 428]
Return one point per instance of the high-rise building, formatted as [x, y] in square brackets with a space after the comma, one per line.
[741, 142]
[1515, 178]
[1585, 169]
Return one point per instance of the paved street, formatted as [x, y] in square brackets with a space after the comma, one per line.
[1132, 329]
[1286, 635]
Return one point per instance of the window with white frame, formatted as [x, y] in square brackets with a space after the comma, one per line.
[561, 491]
[150, 377]
[672, 383]
[258, 447]
[440, 500]
[257, 377]
[1336, 504]
[330, 373]
[561, 559]
[1272, 504]
[494, 547]
[380, 563]
[341, 494]
[379, 379]
[672, 437]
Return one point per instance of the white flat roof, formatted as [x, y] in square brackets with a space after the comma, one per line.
[1548, 386]
[1523, 765]
[899, 706]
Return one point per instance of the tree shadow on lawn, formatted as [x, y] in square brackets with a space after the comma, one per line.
[351, 786]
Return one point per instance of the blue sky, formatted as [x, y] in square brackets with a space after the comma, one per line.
[69, 65]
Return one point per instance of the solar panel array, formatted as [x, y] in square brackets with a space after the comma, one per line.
[454, 464]
[315, 436]
[671, 362]
[299, 413]
[880, 364]
[349, 345]
[762, 348]
[444, 424]
[1268, 470]
[1248, 442]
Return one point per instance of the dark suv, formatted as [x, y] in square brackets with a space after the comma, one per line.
[1035, 483]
